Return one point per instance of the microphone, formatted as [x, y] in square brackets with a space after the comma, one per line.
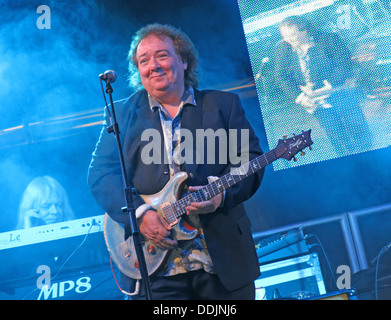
[109, 76]
[263, 62]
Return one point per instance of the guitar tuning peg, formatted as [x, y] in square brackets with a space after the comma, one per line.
[294, 159]
[302, 153]
[285, 136]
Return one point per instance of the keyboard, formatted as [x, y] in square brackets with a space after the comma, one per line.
[55, 231]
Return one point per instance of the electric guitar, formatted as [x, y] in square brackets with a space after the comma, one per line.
[319, 96]
[168, 203]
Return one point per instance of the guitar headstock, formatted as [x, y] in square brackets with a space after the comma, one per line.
[287, 148]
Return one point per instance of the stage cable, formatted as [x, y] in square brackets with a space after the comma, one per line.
[324, 254]
[137, 288]
[384, 249]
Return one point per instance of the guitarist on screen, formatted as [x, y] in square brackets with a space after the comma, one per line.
[315, 70]
[219, 260]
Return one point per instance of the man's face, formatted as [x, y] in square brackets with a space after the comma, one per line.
[293, 36]
[161, 68]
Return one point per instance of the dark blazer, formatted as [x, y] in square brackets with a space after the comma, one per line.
[329, 59]
[227, 230]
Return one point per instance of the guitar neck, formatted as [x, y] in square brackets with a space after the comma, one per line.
[228, 180]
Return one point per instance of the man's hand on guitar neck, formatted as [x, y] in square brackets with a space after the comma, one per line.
[204, 207]
[156, 229]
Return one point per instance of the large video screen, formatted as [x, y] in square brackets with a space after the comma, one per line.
[322, 65]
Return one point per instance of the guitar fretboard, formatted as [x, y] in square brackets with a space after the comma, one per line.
[221, 184]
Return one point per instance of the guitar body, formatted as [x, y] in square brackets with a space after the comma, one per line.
[123, 251]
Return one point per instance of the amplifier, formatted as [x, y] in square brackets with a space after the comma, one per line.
[297, 278]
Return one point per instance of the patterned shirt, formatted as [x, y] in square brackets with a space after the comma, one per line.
[189, 255]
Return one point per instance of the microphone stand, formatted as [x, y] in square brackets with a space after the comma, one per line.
[128, 192]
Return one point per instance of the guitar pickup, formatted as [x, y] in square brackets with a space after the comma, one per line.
[169, 214]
